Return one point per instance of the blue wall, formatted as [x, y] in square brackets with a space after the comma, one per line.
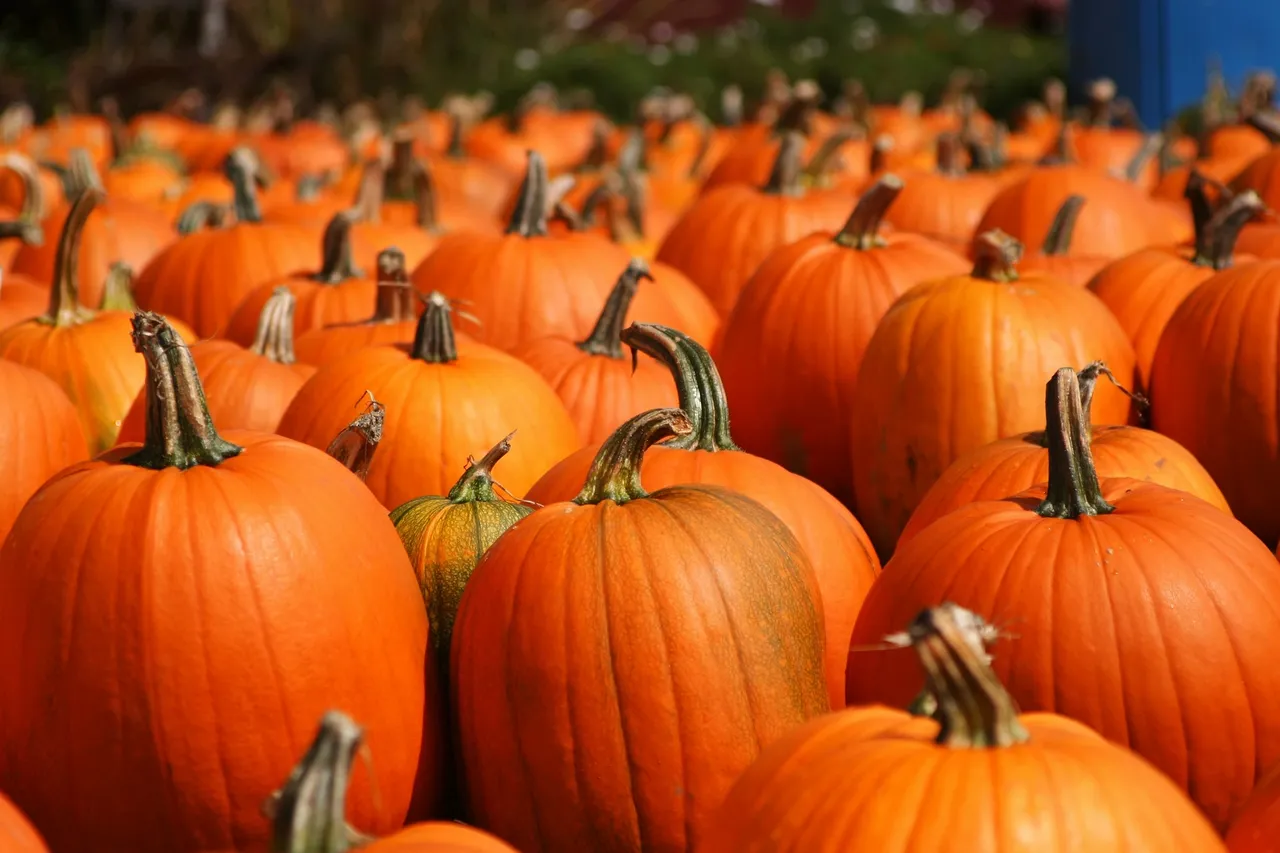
[1159, 51]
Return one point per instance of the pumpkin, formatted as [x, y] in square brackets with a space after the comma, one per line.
[407, 195]
[245, 387]
[528, 284]
[443, 395]
[17, 835]
[40, 434]
[946, 203]
[976, 775]
[1239, 138]
[446, 537]
[339, 292]
[394, 318]
[721, 240]
[21, 225]
[257, 557]
[86, 352]
[1104, 581]
[599, 387]
[955, 364]
[203, 276]
[1010, 466]
[464, 181]
[1145, 288]
[412, 225]
[20, 299]
[792, 346]
[1055, 258]
[1263, 177]
[1257, 826]
[1261, 239]
[1212, 380]
[1099, 144]
[836, 546]
[614, 659]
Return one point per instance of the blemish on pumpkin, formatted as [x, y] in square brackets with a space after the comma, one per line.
[1159, 463]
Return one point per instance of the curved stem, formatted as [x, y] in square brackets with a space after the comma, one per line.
[615, 473]
[27, 226]
[1087, 379]
[824, 158]
[1073, 481]
[606, 338]
[973, 708]
[81, 173]
[476, 483]
[995, 256]
[698, 385]
[785, 177]
[1224, 228]
[64, 296]
[434, 341]
[862, 229]
[355, 445]
[274, 337]
[530, 216]
[180, 433]
[1058, 241]
[117, 290]
[307, 814]
[395, 295]
[241, 168]
[202, 214]
[1150, 148]
[339, 262]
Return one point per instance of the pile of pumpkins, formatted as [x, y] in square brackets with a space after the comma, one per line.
[462, 530]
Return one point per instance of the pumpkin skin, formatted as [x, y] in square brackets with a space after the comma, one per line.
[945, 204]
[598, 386]
[926, 392]
[17, 835]
[39, 436]
[1156, 646]
[576, 677]
[837, 547]
[880, 779]
[443, 397]
[795, 339]
[1260, 239]
[324, 590]
[1212, 373]
[439, 837]
[20, 299]
[1256, 828]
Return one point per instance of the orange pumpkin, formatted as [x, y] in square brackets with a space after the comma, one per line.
[21, 224]
[1055, 257]
[1133, 605]
[1263, 177]
[955, 364]
[1012, 465]
[1260, 239]
[443, 396]
[598, 386]
[17, 835]
[1213, 378]
[199, 543]
[462, 181]
[793, 344]
[1257, 826]
[840, 553]
[615, 659]
[945, 203]
[881, 779]
[20, 299]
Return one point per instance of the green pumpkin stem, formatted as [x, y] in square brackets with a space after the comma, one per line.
[784, 179]
[180, 432]
[26, 227]
[476, 483]
[241, 168]
[1224, 228]
[862, 229]
[615, 473]
[434, 341]
[338, 262]
[606, 338]
[64, 297]
[1073, 488]
[824, 159]
[530, 216]
[973, 708]
[394, 302]
[82, 174]
[200, 215]
[1057, 242]
[996, 256]
[698, 384]
[274, 337]
[117, 290]
[1150, 148]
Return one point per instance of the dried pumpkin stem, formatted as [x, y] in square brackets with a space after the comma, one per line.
[530, 216]
[606, 338]
[1087, 379]
[308, 812]
[455, 150]
[862, 229]
[395, 295]
[64, 297]
[433, 341]
[1224, 229]
[973, 708]
[274, 337]
[476, 483]
[355, 445]
[401, 174]
[426, 206]
[202, 214]
[949, 150]
[81, 174]
[241, 168]
[338, 258]
[615, 473]
[1073, 488]
[996, 256]
[784, 179]
[1057, 242]
[117, 290]
[180, 433]
[698, 385]
[27, 226]
[367, 205]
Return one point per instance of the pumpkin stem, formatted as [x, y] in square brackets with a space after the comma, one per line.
[1224, 228]
[862, 229]
[180, 433]
[81, 173]
[530, 216]
[339, 262]
[1102, 97]
[1150, 148]
[633, 155]
[948, 155]
[27, 226]
[395, 295]
[1058, 241]
[307, 814]
[1087, 379]
[996, 256]
[202, 214]
[433, 341]
[64, 297]
[597, 156]
[274, 338]
[1266, 122]
[308, 188]
[117, 290]
[973, 709]
[615, 473]
[400, 183]
[606, 338]
[425, 201]
[1073, 481]
[698, 385]
[367, 205]
[824, 159]
[241, 168]
[355, 445]
[785, 177]
[457, 130]
[476, 483]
